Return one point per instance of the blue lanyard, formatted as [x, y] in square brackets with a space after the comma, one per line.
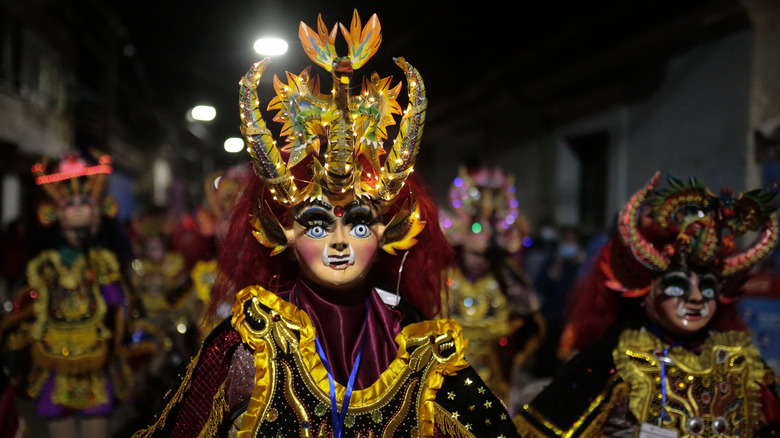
[338, 417]
[663, 372]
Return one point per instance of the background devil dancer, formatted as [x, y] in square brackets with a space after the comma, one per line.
[71, 317]
[660, 344]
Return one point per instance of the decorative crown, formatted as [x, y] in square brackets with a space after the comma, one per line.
[343, 133]
[687, 226]
[73, 177]
[483, 202]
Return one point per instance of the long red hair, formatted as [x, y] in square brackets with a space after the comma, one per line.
[244, 262]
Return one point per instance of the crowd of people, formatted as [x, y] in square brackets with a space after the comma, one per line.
[320, 290]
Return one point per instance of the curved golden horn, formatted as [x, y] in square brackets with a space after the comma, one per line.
[400, 160]
[266, 158]
[642, 250]
[761, 247]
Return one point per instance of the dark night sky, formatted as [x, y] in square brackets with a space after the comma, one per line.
[535, 54]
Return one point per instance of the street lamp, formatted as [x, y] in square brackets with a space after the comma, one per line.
[234, 145]
[270, 46]
[204, 113]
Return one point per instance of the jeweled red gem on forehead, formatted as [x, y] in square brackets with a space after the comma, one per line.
[338, 211]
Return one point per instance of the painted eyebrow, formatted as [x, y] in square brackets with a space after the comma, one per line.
[357, 206]
[675, 277]
[360, 209]
[314, 212]
[709, 278]
[320, 203]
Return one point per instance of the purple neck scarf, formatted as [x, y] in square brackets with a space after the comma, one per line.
[337, 322]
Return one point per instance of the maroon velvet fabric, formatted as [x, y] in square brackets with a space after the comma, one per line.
[338, 317]
[770, 407]
[207, 377]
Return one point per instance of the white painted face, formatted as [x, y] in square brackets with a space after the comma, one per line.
[682, 302]
[336, 241]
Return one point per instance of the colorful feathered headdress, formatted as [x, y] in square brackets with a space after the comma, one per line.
[483, 204]
[686, 226]
[74, 177]
[340, 136]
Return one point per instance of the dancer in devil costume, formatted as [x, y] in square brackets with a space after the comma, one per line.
[661, 350]
[338, 259]
[73, 311]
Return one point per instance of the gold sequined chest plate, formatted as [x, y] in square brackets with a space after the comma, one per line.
[69, 332]
[712, 392]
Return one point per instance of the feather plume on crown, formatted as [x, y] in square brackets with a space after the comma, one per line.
[342, 135]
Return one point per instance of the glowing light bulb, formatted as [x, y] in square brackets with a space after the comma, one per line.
[234, 144]
[270, 46]
[203, 113]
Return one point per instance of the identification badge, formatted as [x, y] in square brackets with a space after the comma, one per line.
[649, 431]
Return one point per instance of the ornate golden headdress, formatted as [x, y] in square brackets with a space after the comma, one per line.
[344, 134]
[483, 203]
[686, 225]
[74, 177]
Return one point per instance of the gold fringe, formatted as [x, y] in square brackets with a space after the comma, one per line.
[526, 429]
[218, 410]
[183, 388]
[36, 381]
[450, 426]
[604, 403]
[619, 395]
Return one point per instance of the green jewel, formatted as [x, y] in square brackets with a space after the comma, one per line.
[320, 410]
[349, 421]
[376, 416]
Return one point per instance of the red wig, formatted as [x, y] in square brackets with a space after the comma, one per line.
[245, 262]
[593, 307]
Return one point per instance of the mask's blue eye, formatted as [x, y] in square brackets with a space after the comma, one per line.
[316, 232]
[360, 230]
[674, 291]
[708, 293]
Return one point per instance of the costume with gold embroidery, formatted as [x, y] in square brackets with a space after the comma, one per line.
[489, 294]
[660, 345]
[428, 390]
[161, 287]
[340, 340]
[70, 340]
[74, 320]
[715, 389]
